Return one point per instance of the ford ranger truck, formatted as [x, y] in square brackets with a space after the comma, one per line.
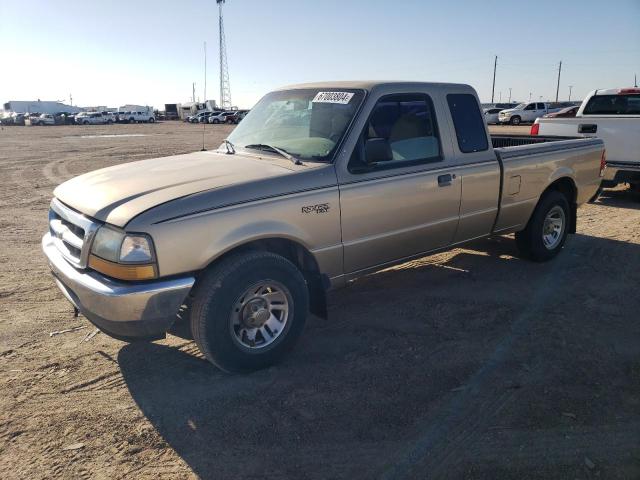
[614, 116]
[320, 183]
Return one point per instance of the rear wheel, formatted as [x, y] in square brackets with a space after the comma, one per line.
[515, 120]
[249, 310]
[547, 230]
[152, 120]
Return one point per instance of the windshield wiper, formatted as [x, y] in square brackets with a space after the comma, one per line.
[284, 153]
[230, 148]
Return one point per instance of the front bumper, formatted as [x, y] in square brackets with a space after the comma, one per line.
[123, 310]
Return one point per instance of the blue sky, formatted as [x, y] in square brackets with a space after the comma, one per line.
[149, 52]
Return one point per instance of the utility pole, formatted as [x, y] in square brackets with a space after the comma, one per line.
[493, 88]
[529, 96]
[570, 87]
[193, 92]
[205, 71]
[558, 87]
[500, 97]
[509, 94]
[71, 99]
[635, 80]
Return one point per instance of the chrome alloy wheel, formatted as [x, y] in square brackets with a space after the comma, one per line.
[553, 227]
[260, 314]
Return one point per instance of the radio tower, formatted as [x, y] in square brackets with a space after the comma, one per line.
[225, 87]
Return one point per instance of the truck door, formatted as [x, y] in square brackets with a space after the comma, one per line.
[477, 167]
[398, 196]
[529, 113]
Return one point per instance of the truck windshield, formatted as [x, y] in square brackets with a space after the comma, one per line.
[307, 123]
[520, 107]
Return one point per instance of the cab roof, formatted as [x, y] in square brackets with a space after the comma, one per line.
[372, 84]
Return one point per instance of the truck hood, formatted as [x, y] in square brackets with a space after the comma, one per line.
[117, 194]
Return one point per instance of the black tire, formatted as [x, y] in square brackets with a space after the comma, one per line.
[152, 120]
[86, 122]
[216, 121]
[215, 298]
[131, 120]
[530, 240]
[109, 122]
[515, 120]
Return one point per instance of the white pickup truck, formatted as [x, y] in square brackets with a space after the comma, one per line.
[525, 112]
[614, 116]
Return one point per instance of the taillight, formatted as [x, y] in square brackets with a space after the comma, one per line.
[603, 162]
[624, 91]
[535, 128]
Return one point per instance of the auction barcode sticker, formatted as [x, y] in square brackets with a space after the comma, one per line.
[333, 97]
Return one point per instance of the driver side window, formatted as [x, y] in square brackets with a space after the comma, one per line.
[531, 106]
[400, 131]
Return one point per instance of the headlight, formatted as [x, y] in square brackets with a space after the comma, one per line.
[123, 256]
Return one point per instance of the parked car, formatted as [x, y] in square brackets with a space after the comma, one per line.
[13, 118]
[138, 117]
[614, 116]
[255, 242]
[220, 117]
[491, 115]
[525, 112]
[200, 117]
[92, 118]
[567, 112]
[44, 119]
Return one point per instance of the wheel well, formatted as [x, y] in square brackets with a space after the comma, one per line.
[567, 187]
[301, 258]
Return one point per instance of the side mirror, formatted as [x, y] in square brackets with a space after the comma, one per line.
[377, 150]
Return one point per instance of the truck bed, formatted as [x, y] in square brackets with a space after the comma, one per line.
[501, 141]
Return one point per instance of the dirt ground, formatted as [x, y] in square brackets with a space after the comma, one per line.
[467, 364]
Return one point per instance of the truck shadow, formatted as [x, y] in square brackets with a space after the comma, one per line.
[415, 369]
[619, 199]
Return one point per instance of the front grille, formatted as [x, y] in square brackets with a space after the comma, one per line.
[72, 233]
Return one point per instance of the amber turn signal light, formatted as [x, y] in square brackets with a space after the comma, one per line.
[122, 271]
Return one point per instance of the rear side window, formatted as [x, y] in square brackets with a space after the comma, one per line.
[469, 125]
[613, 105]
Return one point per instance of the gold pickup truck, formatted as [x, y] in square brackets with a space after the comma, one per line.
[319, 184]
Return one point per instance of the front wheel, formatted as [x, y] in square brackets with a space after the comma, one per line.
[515, 120]
[547, 230]
[152, 120]
[249, 310]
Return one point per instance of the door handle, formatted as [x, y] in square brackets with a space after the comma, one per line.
[587, 128]
[445, 180]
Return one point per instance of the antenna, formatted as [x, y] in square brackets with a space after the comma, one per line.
[225, 87]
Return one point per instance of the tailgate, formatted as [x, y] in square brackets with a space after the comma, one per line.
[621, 135]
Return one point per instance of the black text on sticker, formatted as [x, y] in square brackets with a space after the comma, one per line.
[333, 97]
